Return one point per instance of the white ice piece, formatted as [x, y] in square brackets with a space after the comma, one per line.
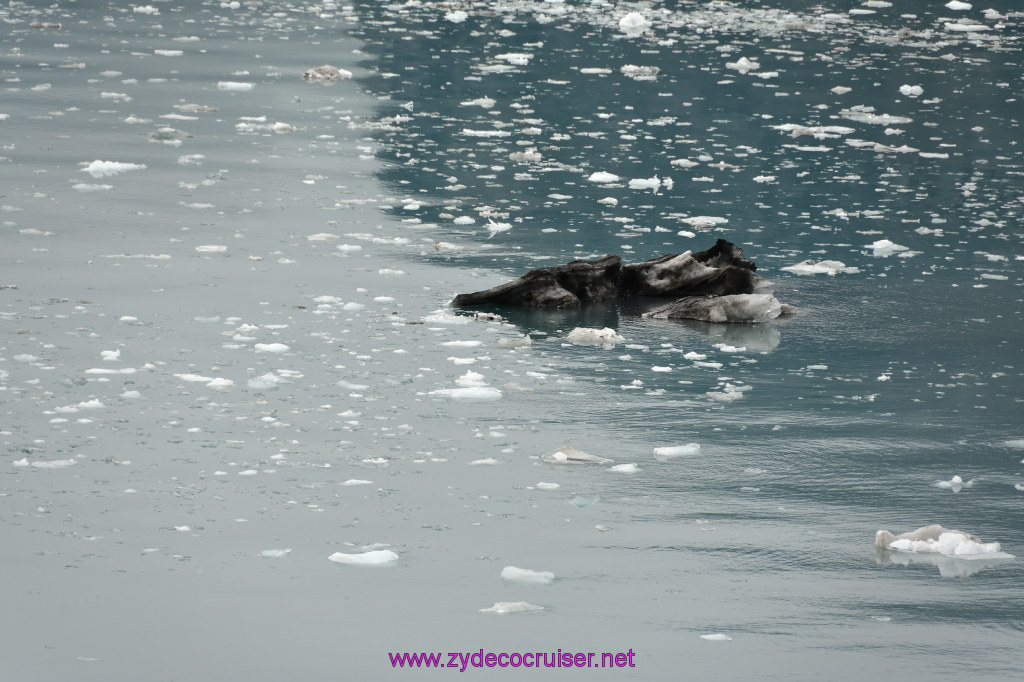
[603, 177]
[670, 451]
[586, 336]
[372, 558]
[512, 607]
[571, 455]
[828, 267]
[884, 248]
[634, 23]
[938, 540]
[527, 576]
[101, 169]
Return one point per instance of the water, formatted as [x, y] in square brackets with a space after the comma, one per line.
[336, 233]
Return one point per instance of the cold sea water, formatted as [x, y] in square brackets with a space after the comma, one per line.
[229, 367]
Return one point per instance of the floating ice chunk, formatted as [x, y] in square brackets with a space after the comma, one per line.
[571, 455]
[471, 386]
[586, 336]
[48, 464]
[735, 308]
[234, 86]
[86, 187]
[743, 65]
[729, 393]
[220, 384]
[110, 355]
[516, 342]
[194, 378]
[93, 404]
[271, 348]
[956, 484]
[372, 558]
[145, 9]
[640, 73]
[865, 114]
[486, 461]
[1019, 486]
[717, 637]
[211, 248]
[497, 228]
[939, 540]
[512, 607]
[325, 74]
[547, 486]
[456, 16]
[101, 169]
[1015, 443]
[274, 553]
[884, 248]
[525, 575]
[630, 468]
[357, 481]
[840, 90]
[704, 221]
[653, 183]
[670, 451]
[515, 58]
[958, 6]
[634, 24]
[603, 177]
[911, 90]
[829, 267]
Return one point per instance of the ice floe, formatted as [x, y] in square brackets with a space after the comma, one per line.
[527, 576]
[935, 539]
[884, 248]
[102, 169]
[374, 557]
[571, 455]
[671, 451]
[512, 607]
[586, 336]
[326, 74]
[828, 267]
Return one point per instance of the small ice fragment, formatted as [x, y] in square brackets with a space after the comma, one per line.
[547, 486]
[456, 16]
[512, 607]
[634, 23]
[484, 462]
[271, 348]
[220, 384]
[372, 558]
[911, 90]
[716, 637]
[671, 451]
[828, 267]
[211, 248]
[51, 464]
[958, 6]
[357, 481]
[885, 248]
[100, 169]
[515, 342]
[571, 455]
[630, 468]
[603, 177]
[586, 336]
[743, 65]
[326, 74]
[652, 183]
[525, 575]
[274, 553]
[234, 86]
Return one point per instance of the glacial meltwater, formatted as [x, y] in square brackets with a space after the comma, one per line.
[245, 436]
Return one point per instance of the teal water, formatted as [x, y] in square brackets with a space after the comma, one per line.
[137, 499]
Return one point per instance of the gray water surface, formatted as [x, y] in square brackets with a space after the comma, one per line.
[228, 355]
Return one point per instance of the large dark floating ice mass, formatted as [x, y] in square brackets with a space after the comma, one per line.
[716, 285]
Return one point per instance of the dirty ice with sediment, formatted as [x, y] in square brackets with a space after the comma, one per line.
[238, 407]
